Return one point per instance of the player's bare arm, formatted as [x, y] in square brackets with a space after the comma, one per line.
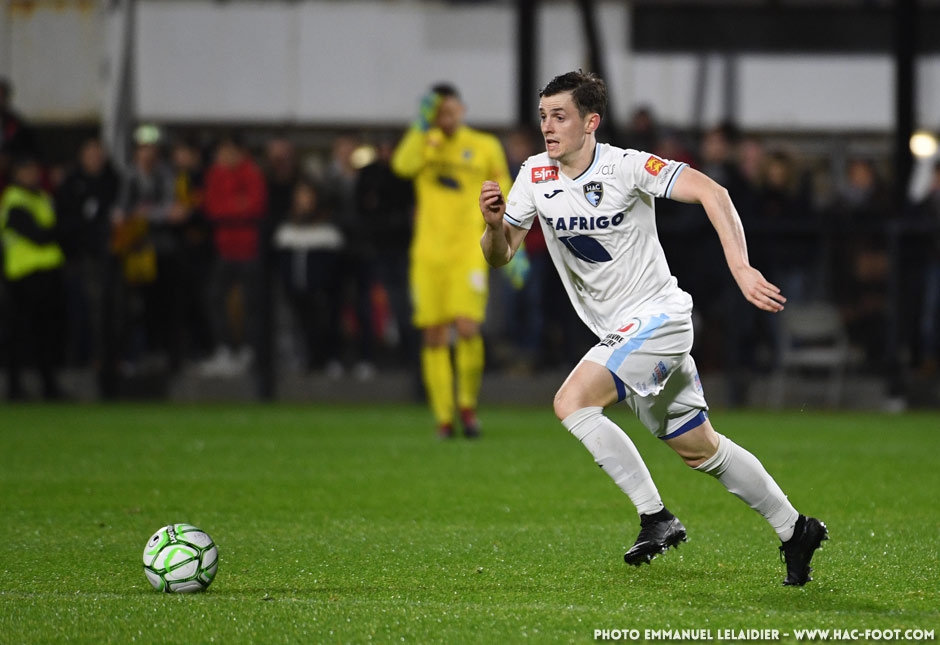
[693, 187]
[500, 239]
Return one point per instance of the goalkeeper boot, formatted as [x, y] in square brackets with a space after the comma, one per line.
[658, 532]
[445, 431]
[470, 423]
[808, 535]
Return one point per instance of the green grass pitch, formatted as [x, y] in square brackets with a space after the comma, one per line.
[354, 524]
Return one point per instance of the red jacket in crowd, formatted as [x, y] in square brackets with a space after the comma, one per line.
[235, 202]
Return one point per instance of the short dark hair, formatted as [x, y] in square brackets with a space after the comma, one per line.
[588, 91]
[232, 138]
[23, 159]
[446, 90]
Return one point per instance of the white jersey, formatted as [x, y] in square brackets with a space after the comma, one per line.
[600, 229]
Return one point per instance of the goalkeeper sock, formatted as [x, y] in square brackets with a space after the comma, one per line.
[470, 359]
[745, 477]
[439, 382]
[615, 453]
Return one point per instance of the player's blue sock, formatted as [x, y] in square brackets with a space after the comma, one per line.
[615, 453]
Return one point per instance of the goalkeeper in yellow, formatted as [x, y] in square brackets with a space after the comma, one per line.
[448, 162]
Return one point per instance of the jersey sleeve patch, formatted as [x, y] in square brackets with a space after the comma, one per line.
[653, 165]
[651, 174]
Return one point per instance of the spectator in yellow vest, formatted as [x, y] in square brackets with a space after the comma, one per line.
[32, 269]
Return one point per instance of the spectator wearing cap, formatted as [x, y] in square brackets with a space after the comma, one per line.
[32, 269]
[149, 247]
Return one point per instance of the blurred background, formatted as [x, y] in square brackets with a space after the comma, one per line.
[818, 116]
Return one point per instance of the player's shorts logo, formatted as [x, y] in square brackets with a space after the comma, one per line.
[541, 174]
[654, 165]
[615, 338]
[611, 340]
[631, 327]
[660, 373]
[594, 192]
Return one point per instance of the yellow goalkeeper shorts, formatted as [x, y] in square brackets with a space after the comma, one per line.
[441, 292]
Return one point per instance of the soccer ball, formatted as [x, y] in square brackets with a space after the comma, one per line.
[180, 558]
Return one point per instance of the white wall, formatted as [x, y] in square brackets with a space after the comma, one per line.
[779, 92]
[316, 62]
[332, 62]
[52, 53]
[367, 62]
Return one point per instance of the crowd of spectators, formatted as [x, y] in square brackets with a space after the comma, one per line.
[166, 261]
[170, 263]
[832, 233]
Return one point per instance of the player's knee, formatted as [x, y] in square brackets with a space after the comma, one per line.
[467, 328]
[589, 386]
[567, 403]
[694, 459]
[696, 446]
[434, 336]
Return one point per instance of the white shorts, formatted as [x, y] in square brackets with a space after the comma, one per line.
[654, 373]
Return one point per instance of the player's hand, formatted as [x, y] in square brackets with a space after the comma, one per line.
[492, 204]
[427, 112]
[758, 291]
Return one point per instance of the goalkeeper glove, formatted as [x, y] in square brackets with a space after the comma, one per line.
[518, 268]
[427, 111]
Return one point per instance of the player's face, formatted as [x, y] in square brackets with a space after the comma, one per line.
[564, 130]
[29, 175]
[449, 115]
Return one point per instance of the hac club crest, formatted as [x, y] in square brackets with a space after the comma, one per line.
[594, 192]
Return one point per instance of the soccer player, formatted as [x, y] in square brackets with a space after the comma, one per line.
[448, 161]
[595, 204]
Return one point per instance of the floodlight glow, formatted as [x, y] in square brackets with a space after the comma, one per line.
[363, 156]
[923, 145]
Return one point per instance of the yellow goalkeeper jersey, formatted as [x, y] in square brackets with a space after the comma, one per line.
[448, 174]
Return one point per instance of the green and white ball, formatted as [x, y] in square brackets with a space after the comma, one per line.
[180, 558]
